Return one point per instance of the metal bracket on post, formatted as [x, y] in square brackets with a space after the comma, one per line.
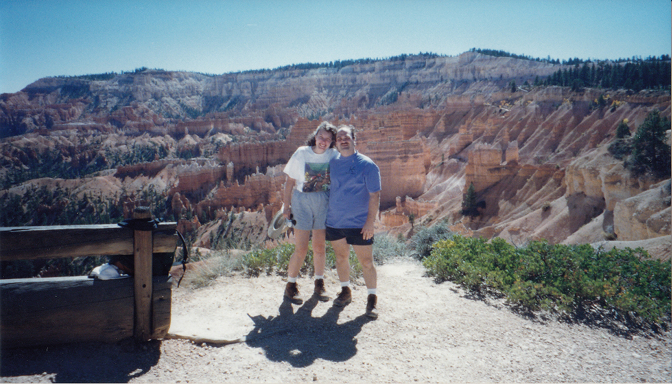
[142, 260]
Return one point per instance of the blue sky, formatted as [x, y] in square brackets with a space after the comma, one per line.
[77, 37]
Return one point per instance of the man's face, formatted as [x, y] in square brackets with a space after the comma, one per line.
[344, 142]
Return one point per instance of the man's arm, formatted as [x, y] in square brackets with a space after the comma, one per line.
[287, 197]
[374, 203]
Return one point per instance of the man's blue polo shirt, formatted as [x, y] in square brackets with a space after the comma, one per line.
[353, 178]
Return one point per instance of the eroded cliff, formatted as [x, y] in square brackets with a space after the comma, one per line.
[212, 145]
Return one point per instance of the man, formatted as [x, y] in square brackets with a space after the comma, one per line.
[353, 206]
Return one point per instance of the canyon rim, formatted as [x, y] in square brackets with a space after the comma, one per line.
[207, 151]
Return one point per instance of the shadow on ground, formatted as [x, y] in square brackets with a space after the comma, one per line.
[299, 339]
[82, 363]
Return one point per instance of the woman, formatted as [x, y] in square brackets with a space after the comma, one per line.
[305, 198]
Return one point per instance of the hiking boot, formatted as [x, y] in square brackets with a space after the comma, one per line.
[371, 310]
[344, 298]
[320, 291]
[292, 293]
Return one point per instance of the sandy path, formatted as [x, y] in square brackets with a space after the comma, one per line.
[426, 332]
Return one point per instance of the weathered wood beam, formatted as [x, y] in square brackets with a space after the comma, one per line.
[60, 310]
[52, 242]
[142, 248]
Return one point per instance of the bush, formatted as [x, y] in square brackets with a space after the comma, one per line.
[469, 206]
[622, 130]
[557, 277]
[276, 260]
[385, 247]
[423, 240]
[545, 206]
[267, 260]
[218, 265]
[620, 148]
[650, 153]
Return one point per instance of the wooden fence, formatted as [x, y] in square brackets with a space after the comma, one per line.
[47, 311]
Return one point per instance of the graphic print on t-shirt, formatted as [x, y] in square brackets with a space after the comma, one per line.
[317, 177]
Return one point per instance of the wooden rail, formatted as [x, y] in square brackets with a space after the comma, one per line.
[45, 311]
[31, 243]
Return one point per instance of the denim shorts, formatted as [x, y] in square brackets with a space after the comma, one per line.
[310, 209]
[353, 236]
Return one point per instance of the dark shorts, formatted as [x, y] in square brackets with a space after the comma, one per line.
[353, 236]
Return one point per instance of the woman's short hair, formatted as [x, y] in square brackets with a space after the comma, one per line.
[326, 126]
[351, 128]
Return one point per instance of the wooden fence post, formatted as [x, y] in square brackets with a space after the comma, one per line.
[142, 257]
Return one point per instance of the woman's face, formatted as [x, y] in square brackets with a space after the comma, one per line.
[322, 141]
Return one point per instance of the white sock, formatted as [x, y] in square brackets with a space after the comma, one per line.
[319, 277]
[345, 283]
[372, 291]
[291, 279]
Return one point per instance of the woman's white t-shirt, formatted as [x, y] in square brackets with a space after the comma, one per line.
[310, 170]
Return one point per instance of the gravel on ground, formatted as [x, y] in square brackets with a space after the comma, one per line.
[426, 332]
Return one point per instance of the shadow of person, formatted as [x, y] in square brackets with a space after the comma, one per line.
[83, 362]
[299, 338]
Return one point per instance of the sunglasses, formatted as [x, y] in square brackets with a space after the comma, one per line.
[291, 222]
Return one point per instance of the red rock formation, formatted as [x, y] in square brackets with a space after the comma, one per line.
[392, 219]
[188, 226]
[485, 167]
[449, 126]
[201, 179]
[400, 215]
[257, 189]
[249, 156]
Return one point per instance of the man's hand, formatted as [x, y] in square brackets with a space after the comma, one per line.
[367, 230]
[374, 202]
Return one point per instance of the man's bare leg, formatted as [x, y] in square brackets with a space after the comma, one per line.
[365, 256]
[342, 251]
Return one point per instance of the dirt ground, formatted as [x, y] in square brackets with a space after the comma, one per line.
[426, 332]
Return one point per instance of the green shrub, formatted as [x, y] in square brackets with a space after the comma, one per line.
[545, 206]
[267, 259]
[620, 148]
[556, 277]
[276, 260]
[385, 247]
[423, 240]
[258, 261]
[469, 206]
[622, 130]
[650, 152]
[219, 265]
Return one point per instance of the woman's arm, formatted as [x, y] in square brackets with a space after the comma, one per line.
[287, 197]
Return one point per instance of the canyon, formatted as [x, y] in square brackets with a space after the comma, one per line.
[212, 147]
